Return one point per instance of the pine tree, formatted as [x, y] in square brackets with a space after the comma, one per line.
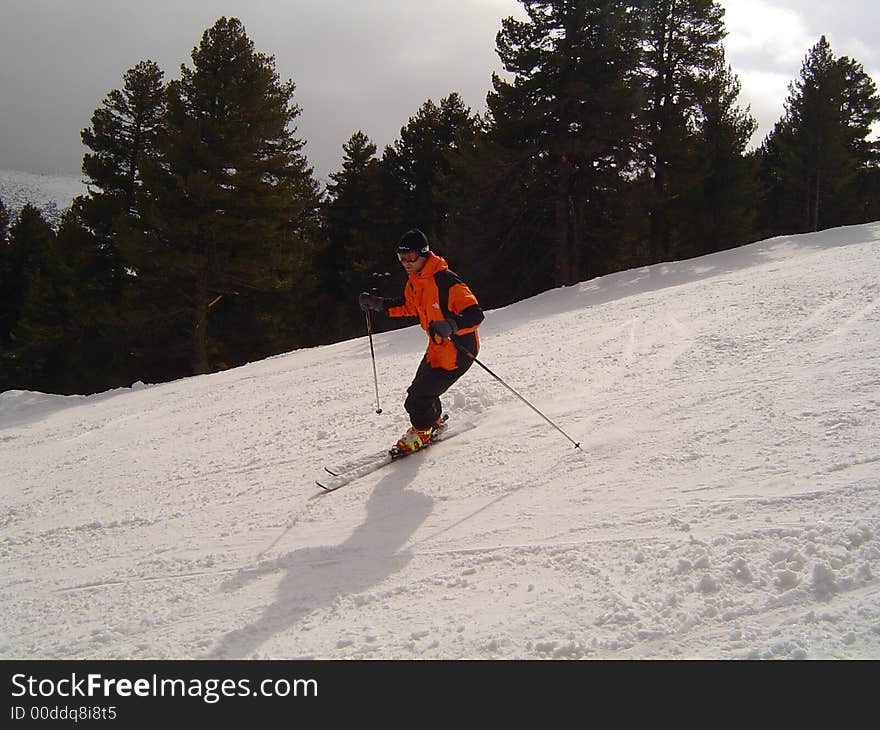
[26, 254]
[29, 267]
[62, 330]
[495, 228]
[123, 135]
[420, 158]
[354, 216]
[10, 297]
[359, 229]
[6, 283]
[351, 212]
[230, 207]
[123, 141]
[4, 222]
[721, 205]
[103, 323]
[683, 49]
[568, 118]
[818, 154]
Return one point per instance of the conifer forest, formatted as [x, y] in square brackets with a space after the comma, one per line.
[613, 141]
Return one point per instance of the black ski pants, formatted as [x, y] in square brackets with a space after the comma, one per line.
[423, 395]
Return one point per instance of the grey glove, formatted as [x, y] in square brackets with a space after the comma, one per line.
[443, 328]
[371, 301]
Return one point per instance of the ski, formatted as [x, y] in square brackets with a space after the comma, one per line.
[334, 481]
[360, 461]
[349, 466]
[339, 476]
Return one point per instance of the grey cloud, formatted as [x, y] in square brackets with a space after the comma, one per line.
[357, 64]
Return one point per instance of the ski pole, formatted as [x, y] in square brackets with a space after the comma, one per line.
[473, 357]
[373, 357]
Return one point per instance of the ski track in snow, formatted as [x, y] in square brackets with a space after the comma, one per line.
[725, 502]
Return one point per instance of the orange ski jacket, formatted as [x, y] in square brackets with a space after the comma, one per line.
[434, 293]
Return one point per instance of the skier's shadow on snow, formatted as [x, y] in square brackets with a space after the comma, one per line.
[316, 577]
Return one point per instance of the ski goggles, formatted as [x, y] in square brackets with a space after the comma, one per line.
[409, 257]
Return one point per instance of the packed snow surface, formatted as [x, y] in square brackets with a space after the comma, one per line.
[724, 503]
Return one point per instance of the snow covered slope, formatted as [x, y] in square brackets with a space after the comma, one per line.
[725, 502]
[50, 193]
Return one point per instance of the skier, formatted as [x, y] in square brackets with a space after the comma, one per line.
[446, 308]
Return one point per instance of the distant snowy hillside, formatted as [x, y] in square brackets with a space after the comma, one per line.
[725, 502]
[50, 193]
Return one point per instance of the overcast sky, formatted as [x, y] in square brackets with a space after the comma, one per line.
[357, 64]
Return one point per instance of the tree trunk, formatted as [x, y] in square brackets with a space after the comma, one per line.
[565, 247]
[659, 223]
[815, 195]
[199, 355]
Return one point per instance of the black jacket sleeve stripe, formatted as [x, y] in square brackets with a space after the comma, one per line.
[470, 317]
[445, 280]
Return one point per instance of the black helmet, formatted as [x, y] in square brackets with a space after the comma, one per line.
[413, 240]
